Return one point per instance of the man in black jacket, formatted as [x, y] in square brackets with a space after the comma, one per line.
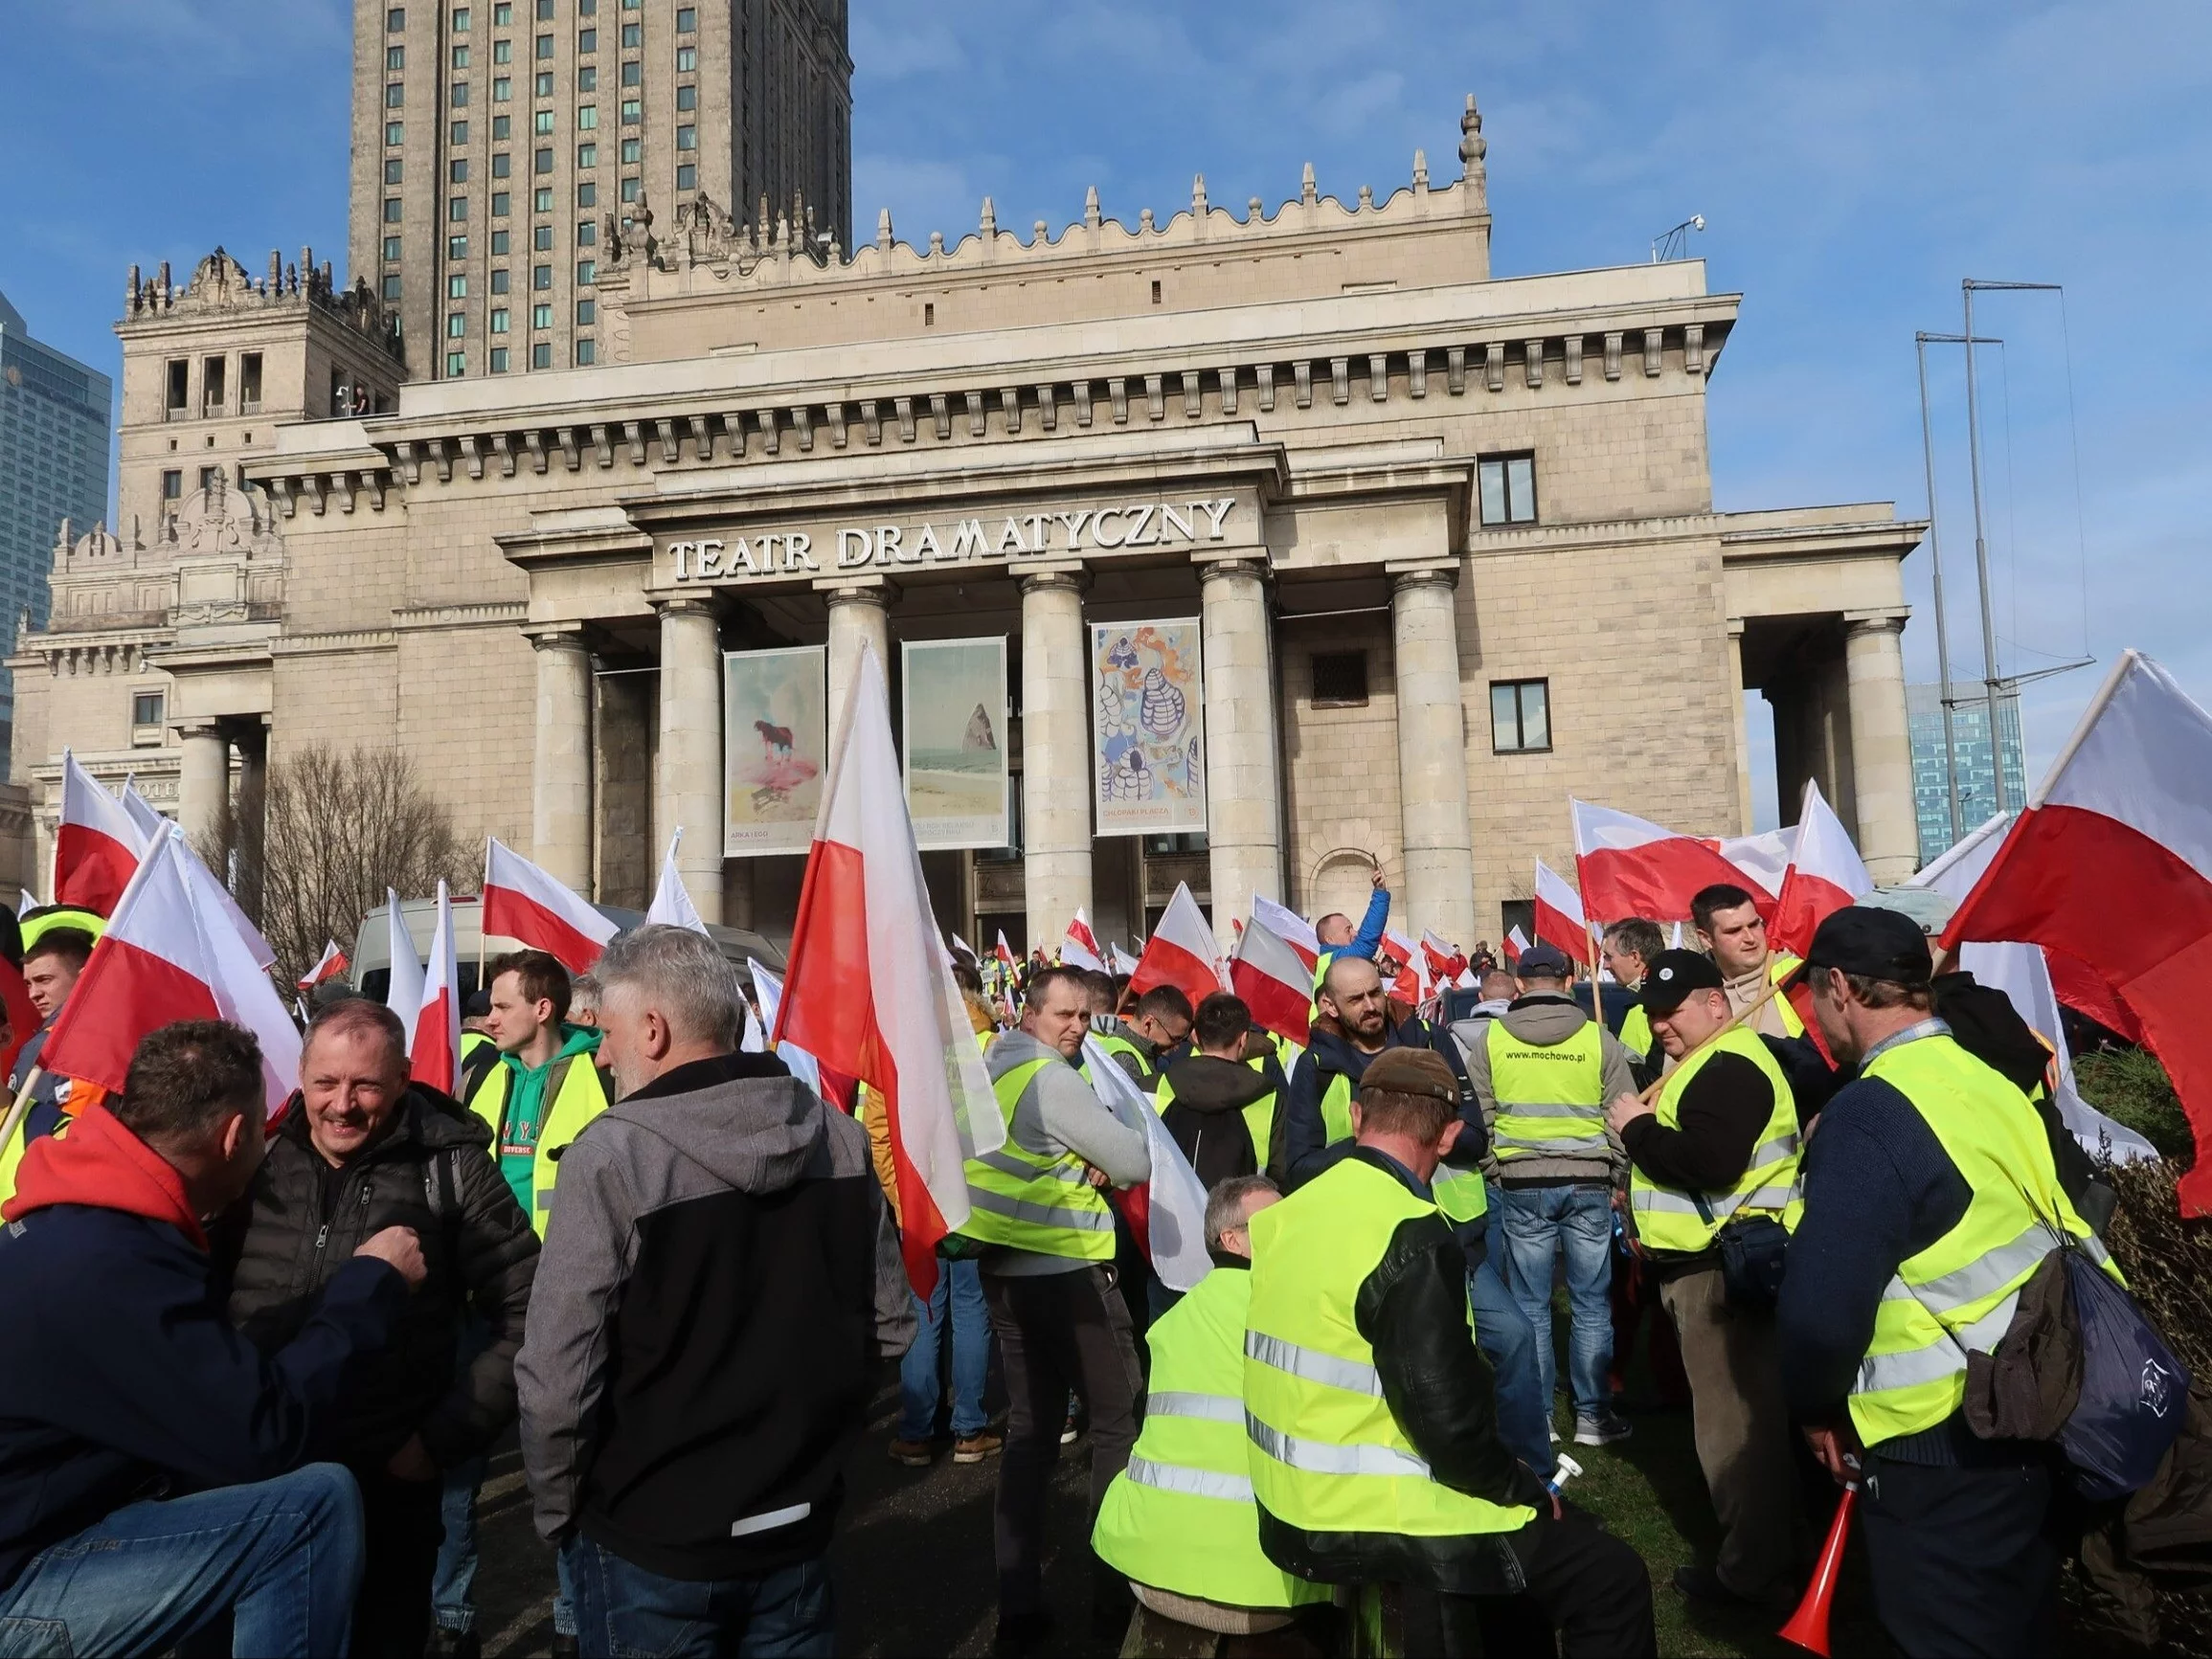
[362, 1149]
[1220, 1110]
[721, 1277]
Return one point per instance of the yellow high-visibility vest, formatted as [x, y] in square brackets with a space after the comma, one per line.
[1027, 1201]
[1668, 1218]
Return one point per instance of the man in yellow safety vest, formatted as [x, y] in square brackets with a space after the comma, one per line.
[1375, 1455]
[1734, 934]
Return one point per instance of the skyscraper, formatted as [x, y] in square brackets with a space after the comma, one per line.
[1976, 773]
[493, 138]
[53, 415]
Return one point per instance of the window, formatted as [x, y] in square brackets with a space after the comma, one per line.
[687, 177]
[632, 151]
[459, 133]
[1509, 488]
[457, 247]
[587, 232]
[457, 171]
[587, 117]
[541, 161]
[1340, 680]
[587, 272]
[146, 707]
[502, 128]
[172, 485]
[541, 316]
[587, 353]
[587, 8]
[502, 52]
[208, 476]
[686, 138]
[587, 195]
[500, 279]
[458, 95]
[395, 132]
[587, 155]
[456, 365]
[396, 20]
[633, 111]
[541, 354]
[503, 15]
[633, 72]
[545, 10]
[392, 210]
[461, 57]
[456, 324]
[392, 249]
[395, 59]
[632, 35]
[396, 94]
[587, 78]
[541, 199]
[457, 207]
[392, 169]
[587, 40]
[250, 383]
[687, 59]
[501, 167]
[460, 20]
[499, 320]
[542, 121]
[392, 288]
[541, 237]
[544, 46]
[502, 88]
[457, 285]
[587, 313]
[499, 360]
[630, 189]
[1519, 716]
[687, 98]
[541, 276]
[929, 316]
[501, 202]
[543, 85]
[686, 19]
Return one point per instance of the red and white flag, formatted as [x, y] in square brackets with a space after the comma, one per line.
[1446, 961]
[1181, 952]
[1003, 953]
[672, 906]
[1765, 857]
[142, 810]
[1290, 927]
[435, 1054]
[96, 846]
[1410, 983]
[327, 966]
[1167, 1213]
[1826, 875]
[1079, 948]
[2112, 864]
[1628, 866]
[1275, 982]
[867, 989]
[1120, 960]
[1517, 941]
[403, 984]
[524, 903]
[1559, 914]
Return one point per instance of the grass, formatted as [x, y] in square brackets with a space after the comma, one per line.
[2129, 1085]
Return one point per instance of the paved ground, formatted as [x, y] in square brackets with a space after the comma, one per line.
[913, 1558]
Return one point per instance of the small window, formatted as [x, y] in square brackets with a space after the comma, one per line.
[172, 485]
[633, 111]
[541, 316]
[541, 276]
[587, 232]
[587, 40]
[1340, 680]
[687, 59]
[396, 94]
[459, 133]
[929, 314]
[457, 171]
[394, 173]
[541, 237]
[208, 476]
[460, 20]
[542, 121]
[587, 195]
[687, 177]
[502, 88]
[587, 155]
[632, 151]
[1155, 290]
[461, 57]
[686, 138]
[501, 167]
[146, 708]
[544, 46]
[395, 132]
[502, 128]
[503, 15]
[633, 72]
[502, 52]
[1519, 716]
[632, 35]
[587, 313]
[686, 19]
[499, 360]
[541, 161]
[395, 59]
[545, 10]
[456, 365]
[458, 95]
[541, 354]
[587, 8]
[457, 285]
[587, 117]
[500, 279]
[542, 84]
[499, 320]
[456, 324]
[687, 98]
[587, 78]
[631, 188]
[249, 382]
[457, 207]
[541, 199]
[587, 272]
[392, 288]
[587, 353]
[501, 202]
[396, 20]
[392, 210]
[1509, 488]
[457, 247]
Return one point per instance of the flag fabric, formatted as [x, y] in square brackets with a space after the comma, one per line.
[141, 810]
[435, 1053]
[1166, 1214]
[1517, 941]
[1120, 961]
[672, 906]
[1004, 952]
[1765, 857]
[25, 901]
[327, 966]
[1275, 983]
[1410, 982]
[524, 903]
[1825, 875]
[769, 989]
[96, 846]
[1628, 866]
[1290, 927]
[1446, 962]
[1559, 914]
[403, 988]
[868, 991]
[1079, 948]
[2112, 864]
[966, 949]
[1181, 952]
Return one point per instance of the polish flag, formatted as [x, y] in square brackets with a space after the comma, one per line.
[672, 906]
[141, 811]
[1290, 927]
[1517, 942]
[1559, 917]
[524, 903]
[1123, 961]
[1275, 982]
[403, 988]
[96, 847]
[169, 954]
[1081, 948]
[435, 1053]
[1630, 867]
[868, 991]
[1765, 857]
[1410, 983]
[327, 966]
[769, 989]
[1167, 1214]
[2111, 865]
[1003, 953]
[1446, 962]
[1825, 876]
[1181, 952]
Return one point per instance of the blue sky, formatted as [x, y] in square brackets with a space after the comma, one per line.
[1853, 163]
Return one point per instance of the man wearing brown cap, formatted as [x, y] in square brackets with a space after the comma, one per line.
[1719, 1148]
[1375, 1455]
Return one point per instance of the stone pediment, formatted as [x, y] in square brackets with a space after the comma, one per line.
[223, 519]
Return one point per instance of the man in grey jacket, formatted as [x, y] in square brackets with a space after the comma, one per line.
[1543, 1073]
[1048, 1282]
[721, 1277]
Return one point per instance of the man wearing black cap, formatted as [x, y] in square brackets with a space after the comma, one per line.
[1930, 1193]
[1721, 1143]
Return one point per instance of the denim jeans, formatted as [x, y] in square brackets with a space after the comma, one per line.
[452, 1586]
[623, 1608]
[1539, 1221]
[1508, 1341]
[959, 1290]
[282, 1557]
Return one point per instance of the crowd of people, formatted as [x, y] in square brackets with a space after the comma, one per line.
[256, 1371]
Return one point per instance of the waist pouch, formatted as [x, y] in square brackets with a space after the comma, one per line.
[1754, 1253]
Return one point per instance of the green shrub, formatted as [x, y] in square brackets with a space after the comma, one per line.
[2131, 1086]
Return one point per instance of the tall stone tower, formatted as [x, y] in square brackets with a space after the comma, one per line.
[493, 140]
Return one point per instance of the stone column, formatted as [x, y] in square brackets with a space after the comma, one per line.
[689, 789]
[1881, 745]
[1440, 880]
[249, 834]
[623, 789]
[203, 781]
[1056, 786]
[560, 816]
[859, 615]
[1741, 725]
[1243, 798]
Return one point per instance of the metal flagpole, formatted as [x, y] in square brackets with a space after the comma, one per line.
[1936, 563]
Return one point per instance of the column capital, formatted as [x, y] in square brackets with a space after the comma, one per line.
[1446, 576]
[1242, 567]
[556, 637]
[203, 728]
[1861, 622]
[1061, 578]
[685, 605]
[880, 592]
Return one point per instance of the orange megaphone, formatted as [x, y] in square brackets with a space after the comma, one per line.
[1808, 1625]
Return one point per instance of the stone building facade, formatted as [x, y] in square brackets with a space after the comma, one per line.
[1450, 539]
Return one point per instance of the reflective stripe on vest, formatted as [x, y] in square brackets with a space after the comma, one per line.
[1667, 1218]
[1551, 1099]
[1960, 1293]
[1325, 1455]
[1027, 1201]
[574, 1095]
[1180, 1516]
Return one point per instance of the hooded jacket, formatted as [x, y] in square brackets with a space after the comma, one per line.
[720, 1277]
[1545, 1019]
[121, 1378]
[1306, 1149]
[1206, 1113]
[303, 1219]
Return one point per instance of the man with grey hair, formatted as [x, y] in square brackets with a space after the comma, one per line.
[721, 1277]
[1229, 1211]
[584, 1001]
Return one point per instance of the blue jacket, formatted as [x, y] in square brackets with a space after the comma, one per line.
[1369, 939]
[121, 1378]
[1306, 1149]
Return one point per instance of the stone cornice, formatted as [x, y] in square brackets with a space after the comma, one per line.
[1868, 530]
[489, 614]
[337, 641]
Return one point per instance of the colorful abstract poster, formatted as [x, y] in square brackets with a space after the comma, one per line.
[956, 742]
[774, 748]
[1148, 715]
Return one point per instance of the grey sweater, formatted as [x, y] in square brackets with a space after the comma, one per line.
[1059, 1112]
[1546, 1019]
